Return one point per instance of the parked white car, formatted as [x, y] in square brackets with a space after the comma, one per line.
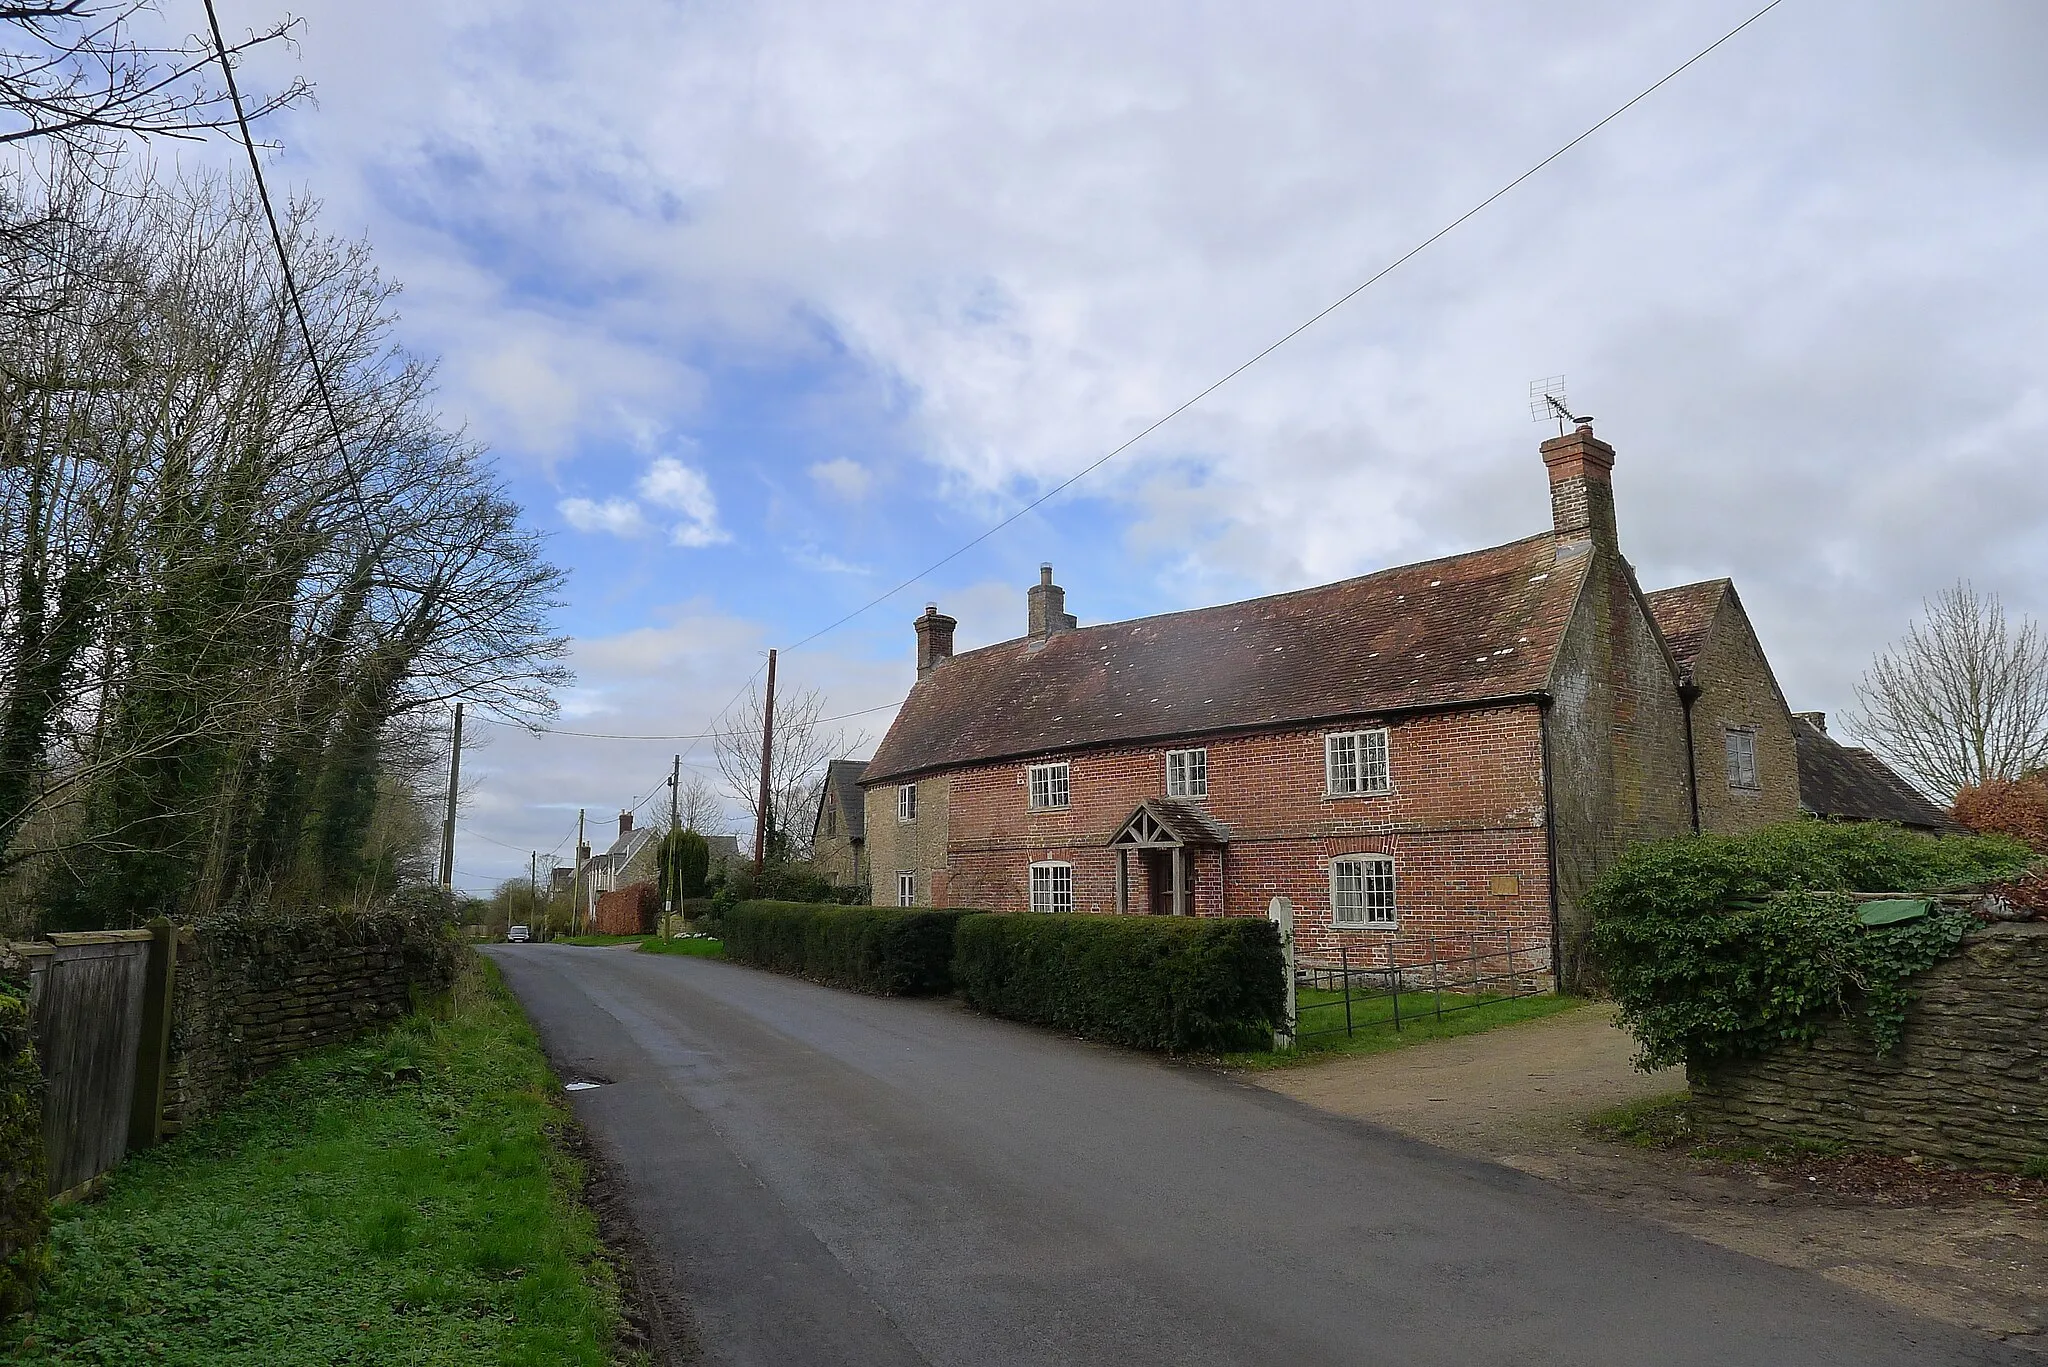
[517, 935]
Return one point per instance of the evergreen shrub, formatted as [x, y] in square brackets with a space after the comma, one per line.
[1180, 984]
[1722, 947]
[895, 951]
[24, 1185]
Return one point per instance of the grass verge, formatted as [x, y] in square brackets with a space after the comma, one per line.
[597, 939]
[1657, 1122]
[401, 1199]
[1373, 1029]
[701, 948]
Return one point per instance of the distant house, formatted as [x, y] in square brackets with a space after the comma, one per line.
[838, 826]
[633, 858]
[1442, 754]
[1846, 783]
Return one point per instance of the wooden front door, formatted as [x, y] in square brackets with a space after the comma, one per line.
[1159, 880]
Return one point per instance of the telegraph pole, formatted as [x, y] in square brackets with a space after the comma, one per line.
[668, 903]
[533, 892]
[767, 754]
[448, 825]
[576, 878]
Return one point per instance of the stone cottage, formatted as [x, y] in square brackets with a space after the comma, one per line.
[838, 836]
[1443, 753]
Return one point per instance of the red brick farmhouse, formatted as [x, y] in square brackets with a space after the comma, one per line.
[1445, 753]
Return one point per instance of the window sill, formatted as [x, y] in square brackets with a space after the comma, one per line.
[1389, 926]
[1349, 797]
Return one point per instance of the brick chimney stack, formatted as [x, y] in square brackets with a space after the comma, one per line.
[1581, 488]
[625, 824]
[1048, 603]
[934, 638]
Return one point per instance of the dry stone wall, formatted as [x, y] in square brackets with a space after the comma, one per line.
[1969, 1085]
[251, 998]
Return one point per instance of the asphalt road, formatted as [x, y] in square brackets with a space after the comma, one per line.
[844, 1179]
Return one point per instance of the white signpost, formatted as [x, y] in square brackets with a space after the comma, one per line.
[1282, 913]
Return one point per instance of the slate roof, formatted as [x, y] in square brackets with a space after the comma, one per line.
[842, 780]
[1845, 783]
[1685, 614]
[1461, 629]
[1185, 821]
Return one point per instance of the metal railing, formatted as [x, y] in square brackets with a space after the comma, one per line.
[1358, 994]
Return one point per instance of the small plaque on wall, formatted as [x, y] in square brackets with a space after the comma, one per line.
[1504, 885]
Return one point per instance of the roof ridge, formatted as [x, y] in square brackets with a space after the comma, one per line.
[1267, 597]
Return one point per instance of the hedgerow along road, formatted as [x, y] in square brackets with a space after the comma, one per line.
[832, 1178]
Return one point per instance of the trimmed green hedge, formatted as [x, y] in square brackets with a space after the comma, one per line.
[896, 951]
[1181, 984]
[24, 1190]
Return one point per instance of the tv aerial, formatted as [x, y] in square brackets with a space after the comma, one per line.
[1547, 401]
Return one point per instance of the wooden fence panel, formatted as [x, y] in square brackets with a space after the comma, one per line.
[86, 1010]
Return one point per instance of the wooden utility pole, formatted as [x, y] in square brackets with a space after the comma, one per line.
[533, 893]
[761, 813]
[576, 878]
[448, 824]
[668, 903]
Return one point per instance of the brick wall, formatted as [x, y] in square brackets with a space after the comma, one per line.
[248, 1001]
[917, 847]
[1466, 808]
[1738, 690]
[1617, 739]
[627, 911]
[1970, 1083]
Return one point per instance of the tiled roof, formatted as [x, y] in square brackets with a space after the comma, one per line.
[1461, 629]
[1848, 784]
[842, 781]
[1684, 615]
[1185, 821]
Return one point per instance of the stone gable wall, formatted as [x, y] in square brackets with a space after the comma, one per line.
[1618, 740]
[1737, 689]
[1969, 1084]
[917, 847]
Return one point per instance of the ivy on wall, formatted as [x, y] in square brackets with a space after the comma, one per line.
[1721, 947]
[24, 1186]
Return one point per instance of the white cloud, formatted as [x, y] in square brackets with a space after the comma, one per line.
[619, 516]
[677, 487]
[848, 479]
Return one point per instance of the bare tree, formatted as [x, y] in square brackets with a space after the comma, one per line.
[88, 76]
[803, 744]
[1962, 698]
[698, 806]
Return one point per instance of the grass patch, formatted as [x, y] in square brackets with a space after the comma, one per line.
[701, 948]
[1658, 1122]
[599, 940]
[1373, 1025]
[396, 1200]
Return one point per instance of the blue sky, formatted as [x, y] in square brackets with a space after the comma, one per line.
[764, 307]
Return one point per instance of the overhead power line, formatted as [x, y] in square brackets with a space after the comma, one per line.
[1289, 336]
[284, 262]
[698, 735]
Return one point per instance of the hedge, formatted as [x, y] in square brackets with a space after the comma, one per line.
[1720, 947]
[24, 1192]
[1183, 985]
[890, 950]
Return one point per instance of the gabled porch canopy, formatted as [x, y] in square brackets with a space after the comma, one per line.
[1167, 830]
